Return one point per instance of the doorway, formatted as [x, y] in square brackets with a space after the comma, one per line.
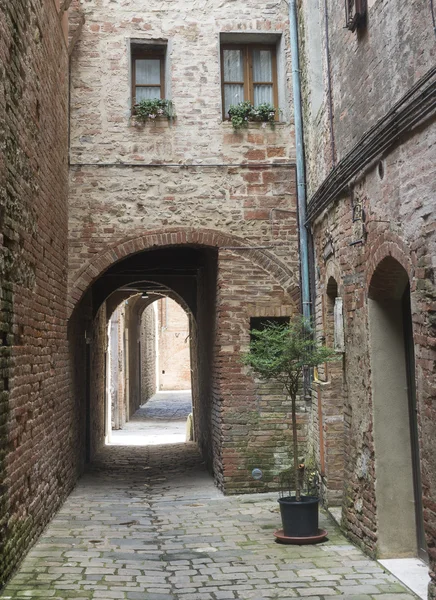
[397, 462]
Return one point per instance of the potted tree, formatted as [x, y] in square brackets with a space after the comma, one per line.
[281, 353]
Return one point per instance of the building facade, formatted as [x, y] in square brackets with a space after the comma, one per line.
[187, 206]
[370, 132]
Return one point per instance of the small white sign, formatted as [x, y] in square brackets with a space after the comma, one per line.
[339, 341]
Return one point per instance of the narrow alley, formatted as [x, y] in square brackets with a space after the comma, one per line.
[147, 523]
[217, 287]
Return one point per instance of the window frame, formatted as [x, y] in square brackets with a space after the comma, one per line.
[248, 83]
[144, 53]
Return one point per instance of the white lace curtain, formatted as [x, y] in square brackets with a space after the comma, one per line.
[147, 79]
[234, 79]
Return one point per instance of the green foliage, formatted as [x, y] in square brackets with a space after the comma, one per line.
[240, 114]
[147, 110]
[281, 352]
[308, 479]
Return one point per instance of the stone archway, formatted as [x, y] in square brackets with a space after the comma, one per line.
[224, 283]
[178, 237]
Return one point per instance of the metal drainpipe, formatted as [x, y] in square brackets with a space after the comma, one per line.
[301, 181]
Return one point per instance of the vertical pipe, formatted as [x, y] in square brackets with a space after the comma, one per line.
[301, 182]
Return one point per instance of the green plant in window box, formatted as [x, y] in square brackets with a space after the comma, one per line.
[153, 108]
[244, 112]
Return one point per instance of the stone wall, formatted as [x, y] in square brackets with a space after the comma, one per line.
[109, 202]
[192, 182]
[148, 353]
[385, 209]
[38, 430]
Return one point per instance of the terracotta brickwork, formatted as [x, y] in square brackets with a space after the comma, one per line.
[38, 428]
[252, 419]
[386, 209]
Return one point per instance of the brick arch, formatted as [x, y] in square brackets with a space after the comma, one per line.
[387, 268]
[175, 236]
[333, 272]
[127, 295]
[173, 296]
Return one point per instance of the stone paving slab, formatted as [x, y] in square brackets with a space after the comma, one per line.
[148, 524]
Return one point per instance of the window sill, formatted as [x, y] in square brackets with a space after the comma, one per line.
[255, 125]
[158, 122]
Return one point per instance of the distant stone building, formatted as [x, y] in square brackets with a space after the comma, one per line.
[148, 350]
[370, 131]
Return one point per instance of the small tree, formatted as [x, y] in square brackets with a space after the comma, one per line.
[281, 353]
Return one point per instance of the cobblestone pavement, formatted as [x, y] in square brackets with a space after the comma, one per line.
[166, 405]
[161, 420]
[148, 524]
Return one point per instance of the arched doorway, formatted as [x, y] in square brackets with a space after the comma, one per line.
[148, 381]
[397, 464]
[222, 288]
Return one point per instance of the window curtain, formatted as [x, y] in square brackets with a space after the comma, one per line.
[147, 72]
[262, 74]
[233, 78]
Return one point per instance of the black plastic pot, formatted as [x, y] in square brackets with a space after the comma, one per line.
[299, 519]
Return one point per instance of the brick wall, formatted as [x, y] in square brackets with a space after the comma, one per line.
[370, 71]
[97, 384]
[406, 191]
[252, 420]
[38, 432]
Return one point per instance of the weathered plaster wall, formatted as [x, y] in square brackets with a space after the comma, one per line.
[38, 431]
